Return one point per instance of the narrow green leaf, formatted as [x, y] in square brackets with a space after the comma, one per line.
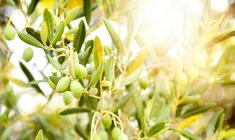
[97, 75]
[26, 135]
[116, 39]
[97, 51]
[137, 61]
[88, 50]
[81, 12]
[30, 40]
[155, 129]
[32, 6]
[74, 110]
[121, 102]
[56, 65]
[72, 60]
[34, 33]
[30, 77]
[197, 110]
[44, 33]
[79, 37]
[58, 33]
[39, 135]
[48, 18]
[131, 78]
[189, 135]
[54, 79]
[109, 69]
[87, 10]
[71, 15]
[80, 131]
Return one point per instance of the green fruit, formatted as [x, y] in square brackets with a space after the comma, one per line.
[123, 137]
[76, 88]
[107, 122]
[63, 84]
[97, 137]
[104, 135]
[67, 97]
[80, 71]
[9, 33]
[28, 54]
[115, 133]
[51, 84]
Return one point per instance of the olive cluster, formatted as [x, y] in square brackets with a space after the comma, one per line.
[70, 88]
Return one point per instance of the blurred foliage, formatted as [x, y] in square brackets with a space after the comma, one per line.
[111, 92]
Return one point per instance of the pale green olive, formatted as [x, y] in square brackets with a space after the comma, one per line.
[63, 84]
[28, 54]
[9, 33]
[76, 88]
[67, 97]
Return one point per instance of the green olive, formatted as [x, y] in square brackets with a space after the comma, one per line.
[9, 33]
[123, 137]
[115, 133]
[28, 54]
[104, 135]
[63, 84]
[76, 88]
[97, 137]
[80, 71]
[107, 122]
[67, 97]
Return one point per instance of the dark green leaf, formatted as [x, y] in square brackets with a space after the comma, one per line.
[48, 18]
[58, 33]
[87, 10]
[71, 15]
[81, 12]
[30, 40]
[121, 102]
[155, 129]
[30, 77]
[189, 135]
[116, 39]
[97, 75]
[79, 37]
[87, 53]
[74, 110]
[34, 33]
[32, 6]
[80, 131]
[197, 110]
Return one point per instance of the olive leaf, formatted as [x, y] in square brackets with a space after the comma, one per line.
[34, 33]
[58, 33]
[39, 135]
[97, 51]
[30, 77]
[56, 65]
[196, 110]
[81, 12]
[30, 40]
[212, 124]
[79, 36]
[121, 102]
[32, 6]
[72, 60]
[80, 131]
[87, 53]
[44, 33]
[97, 74]
[74, 110]
[87, 10]
[54, 79]
[109, 68]
[137, 61]
[189, 135]
[48, 18]
[155, 129]
[71, 15]
[116, 39]
[131, 78]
